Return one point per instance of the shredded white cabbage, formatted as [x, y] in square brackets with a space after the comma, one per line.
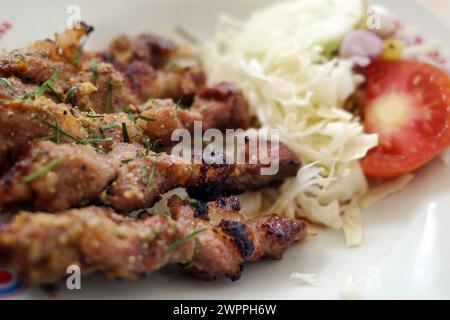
[352, 224]
[307, 278]
[351, 290]
[300, 92]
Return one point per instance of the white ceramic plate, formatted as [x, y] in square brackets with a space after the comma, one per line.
[405, 252]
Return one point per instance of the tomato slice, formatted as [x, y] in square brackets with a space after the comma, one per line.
[408, 106]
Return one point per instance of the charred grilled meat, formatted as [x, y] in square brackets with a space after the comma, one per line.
[222, 107]
[140, 182]
[41, 246]
[147, 48]
[127, 179]
[80, 128]
[250, 176]
[36, 63]
[129, 132]
[147, 62]
[78, 175]
[156, 119]
[24, 121]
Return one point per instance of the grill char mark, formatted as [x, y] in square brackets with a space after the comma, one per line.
[41, 246]
[240, 235]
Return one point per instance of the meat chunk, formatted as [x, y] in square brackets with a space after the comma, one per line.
[146, 62]
[111, 129]
[151, 49]
[12, 88]
[141, 78]
[160, 118]
[101, 88]
[235, 239]
[41, 246]
[249, 176]
[140, 182]
[126, 152]
[178, 84]
[222, 107]
[94, 238]
[226, 111]
[37, 63]
[70, 42]
[24, 121]
[77, 176]
[27, 120]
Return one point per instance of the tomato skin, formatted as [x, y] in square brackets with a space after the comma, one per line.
[420, 130]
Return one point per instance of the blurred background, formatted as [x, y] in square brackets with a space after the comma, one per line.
[439, 7]
[112, 17]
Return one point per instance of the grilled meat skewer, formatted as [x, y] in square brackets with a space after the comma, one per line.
[222, 106]
[81, 175]
[25, 120]
[102, 81]
[75, 175]
[141, 182]
[41, 246]
[55, 177]
[147, 61]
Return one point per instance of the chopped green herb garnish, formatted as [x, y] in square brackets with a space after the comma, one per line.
[146, 175]
[109, 126]
[185, 34]
[58, 130]
[41, 171]
[77, 56]
[52, 136]
[171, 63]
[108, 99]
[125, 161]
[130, 116]
[28, 95]
[177, 243]
[143, 172]
[20, 56]
[70, 93]
[148, 119]
[94, 69]
[7, 83]
[47, 85]
[90, 115]
[126, 138]
[150, 177]
[93, 114]
[95, 140]
[178, 105]
[147, 146]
